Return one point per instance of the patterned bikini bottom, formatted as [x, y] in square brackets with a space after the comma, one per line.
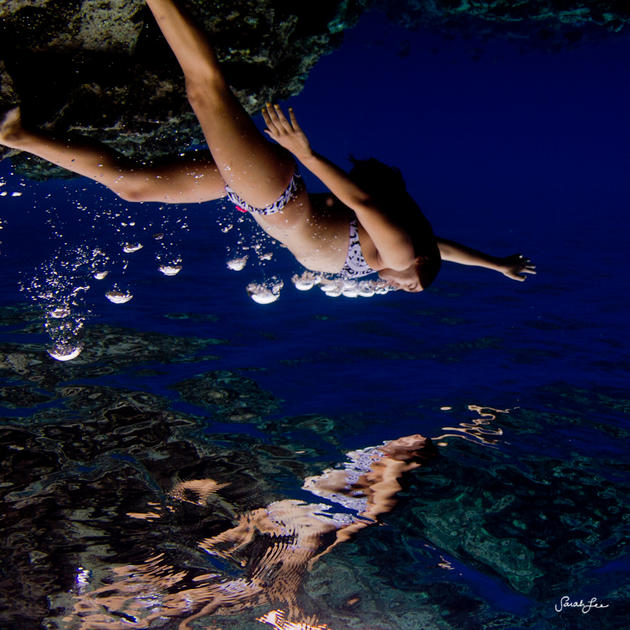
[355, 265]
[290, 191]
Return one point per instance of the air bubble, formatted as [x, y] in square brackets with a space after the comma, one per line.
[118, 297]
[237, 264]
[130, 248]
[306, 281]
[265, 292]
[170, 270]
[335, 286]
[60, 312]
[65, 352]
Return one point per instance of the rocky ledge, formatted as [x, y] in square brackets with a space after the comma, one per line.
[101, 68]
[577, 15]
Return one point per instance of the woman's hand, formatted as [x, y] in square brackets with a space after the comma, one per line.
[516, 266]
[287, 133]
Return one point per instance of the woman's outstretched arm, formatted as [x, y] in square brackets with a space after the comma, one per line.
[514, 267]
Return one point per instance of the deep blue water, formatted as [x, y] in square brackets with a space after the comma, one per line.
[527, 501]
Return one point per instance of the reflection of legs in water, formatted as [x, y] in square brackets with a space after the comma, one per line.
[184, 181]
[257, 170]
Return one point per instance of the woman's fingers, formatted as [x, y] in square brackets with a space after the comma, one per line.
[525, 264]
[294, 121]
[272, 112]
[282, 119]
[271, 118]
[268, 120]
[284, 124]
[291, 125]
[276, 120]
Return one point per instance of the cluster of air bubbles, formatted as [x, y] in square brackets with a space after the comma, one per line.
[12, 193]
[171, 268]
[262, 251]
[243, 246]
[168, 258]
[130, 248]
[64, 325]
[238, 256]
[334, 286]
[99, 264]
[181, 223]
[237, 264]
[228, 220]
[116, 295]
[58, 287]
[265, 292]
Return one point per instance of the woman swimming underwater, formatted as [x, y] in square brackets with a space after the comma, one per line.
[366, 223]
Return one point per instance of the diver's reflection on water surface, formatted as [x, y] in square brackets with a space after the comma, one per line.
[263, 558]
[366, 223]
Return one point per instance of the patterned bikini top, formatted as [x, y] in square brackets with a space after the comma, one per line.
[355, 265]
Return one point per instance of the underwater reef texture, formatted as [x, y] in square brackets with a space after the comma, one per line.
[101, 68]
[549, 23]
[119, 503]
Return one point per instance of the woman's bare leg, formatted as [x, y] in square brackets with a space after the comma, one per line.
[187, 180]
[257, 170]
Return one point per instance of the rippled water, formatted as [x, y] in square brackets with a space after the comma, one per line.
[205, 460]
[148, 484]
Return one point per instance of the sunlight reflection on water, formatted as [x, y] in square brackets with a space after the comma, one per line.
[478, 429]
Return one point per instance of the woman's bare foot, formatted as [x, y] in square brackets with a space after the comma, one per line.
[11, 127]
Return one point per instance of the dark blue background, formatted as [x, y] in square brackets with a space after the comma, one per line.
[513, 152]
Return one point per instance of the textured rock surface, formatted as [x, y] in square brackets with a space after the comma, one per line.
[101, 67]
[236, 398]
[551, 23]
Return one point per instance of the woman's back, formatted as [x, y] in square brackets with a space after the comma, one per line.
[315, 228]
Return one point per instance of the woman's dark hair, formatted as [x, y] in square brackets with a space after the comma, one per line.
[387, 186]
